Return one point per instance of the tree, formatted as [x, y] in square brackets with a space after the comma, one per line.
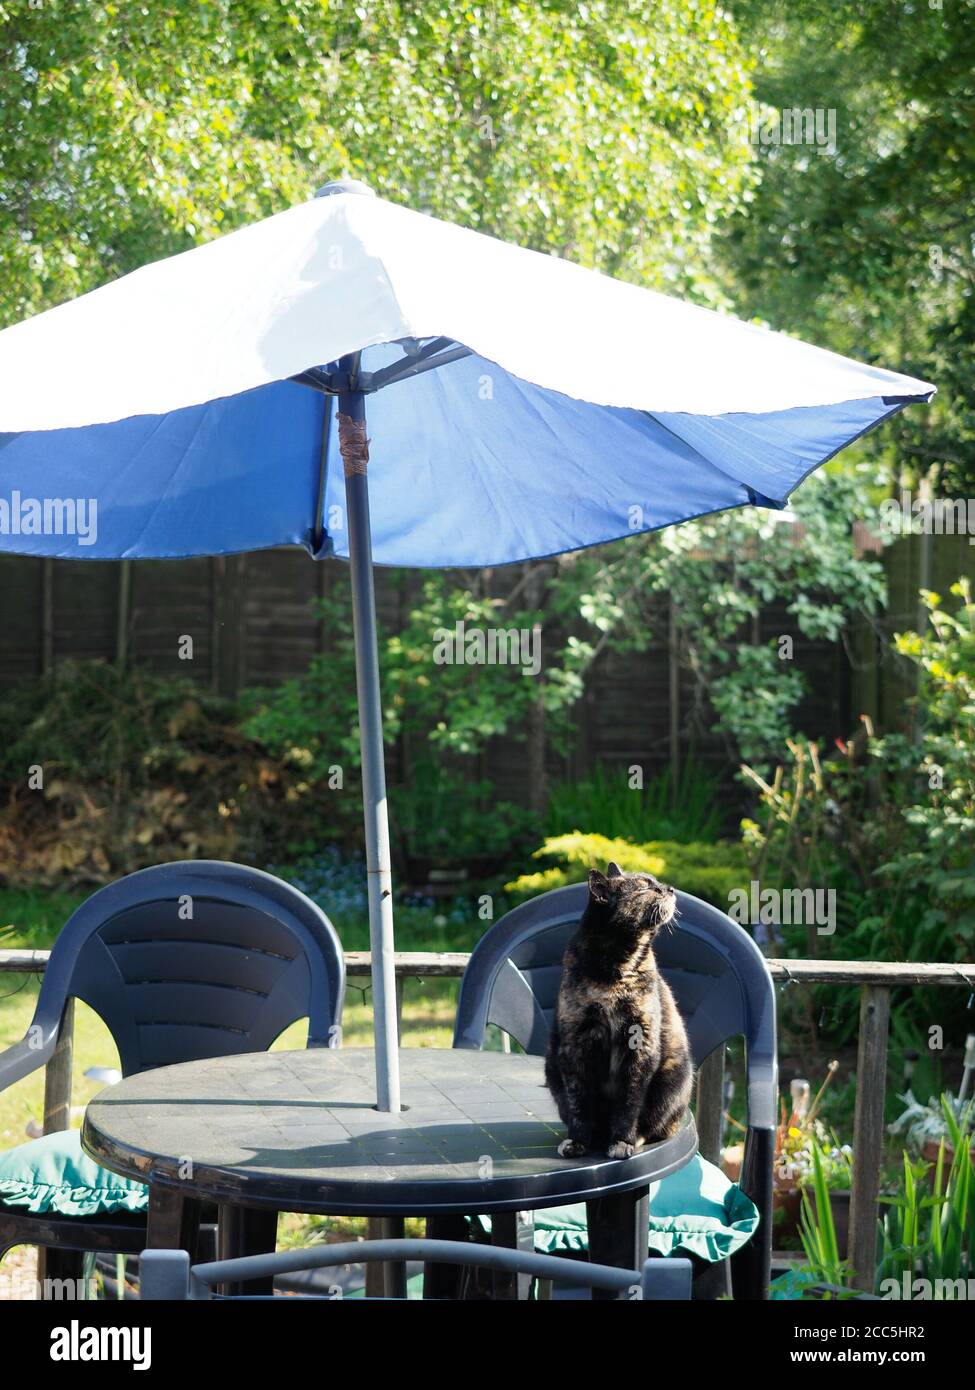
[129, 132]
[869, 250]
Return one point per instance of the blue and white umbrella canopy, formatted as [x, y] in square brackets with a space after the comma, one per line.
[518, 406]
[584, 409]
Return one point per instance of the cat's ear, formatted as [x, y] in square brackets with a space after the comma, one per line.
[614, 870]
[599, 889]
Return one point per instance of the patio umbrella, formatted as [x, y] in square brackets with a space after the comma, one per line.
[518, 406]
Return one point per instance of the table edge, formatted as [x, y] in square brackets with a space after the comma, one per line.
[231, 1187]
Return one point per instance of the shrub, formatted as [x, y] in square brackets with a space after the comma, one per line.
[889, 821]
[711, 872]
[607, 802]
[130, 769]
[441, 716]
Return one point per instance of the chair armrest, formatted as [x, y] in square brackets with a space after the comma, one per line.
[762, 1078]
[34, 1050]
[751, 1266]
[757, 1161]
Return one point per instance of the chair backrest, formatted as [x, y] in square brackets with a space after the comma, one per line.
[719, 977]
[197, 959]
[168, 1275]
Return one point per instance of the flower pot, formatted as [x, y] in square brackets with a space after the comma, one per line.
[929, 1152]
[731, 1158]
[786, 1210]
[787, 1206]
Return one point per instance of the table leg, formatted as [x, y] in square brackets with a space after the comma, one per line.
[444, 1281]
[375, 1279]
[516, 1231]
[174, 1220]
[618, 1232]
[386, 1280]
[246, 1231]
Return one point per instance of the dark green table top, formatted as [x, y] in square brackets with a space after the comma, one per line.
[298, 1131]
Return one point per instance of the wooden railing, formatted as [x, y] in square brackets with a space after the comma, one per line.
[875, 980]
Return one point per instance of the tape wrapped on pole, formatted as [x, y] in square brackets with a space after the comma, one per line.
[353, 445]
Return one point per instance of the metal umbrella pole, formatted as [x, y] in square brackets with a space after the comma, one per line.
[353, 444]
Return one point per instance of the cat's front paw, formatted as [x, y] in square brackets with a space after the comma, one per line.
[621, 1149]
[571, 1148]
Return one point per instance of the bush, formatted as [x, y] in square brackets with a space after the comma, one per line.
[441, 716]
[110, 770]
[607, 802]
[889, 821]
[707, 871]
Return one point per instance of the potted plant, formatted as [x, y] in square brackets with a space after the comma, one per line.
[801, 1139]
[926, 1127]
[928, 1232]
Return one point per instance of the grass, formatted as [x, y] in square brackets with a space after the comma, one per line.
[30, 918]
[605, 803]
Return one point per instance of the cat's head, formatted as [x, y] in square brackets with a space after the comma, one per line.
[633, 902]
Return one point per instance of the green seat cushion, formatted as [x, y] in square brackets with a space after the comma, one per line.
[53, 1174]
[696, 1211]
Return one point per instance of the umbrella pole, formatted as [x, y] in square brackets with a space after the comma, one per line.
[355, 458]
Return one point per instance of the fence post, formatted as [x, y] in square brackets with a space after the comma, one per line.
[124, 613]
[868, 1132]
[47, 616]
[399, 1008]
[228, 627]
[673, 699]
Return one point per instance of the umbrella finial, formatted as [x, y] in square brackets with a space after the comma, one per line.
[345, 186]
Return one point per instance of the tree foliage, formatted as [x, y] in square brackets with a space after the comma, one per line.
[870, 250]
[129, 132]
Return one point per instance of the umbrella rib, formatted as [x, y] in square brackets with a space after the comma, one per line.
[436, 354]
[410, 367]
[318, 527]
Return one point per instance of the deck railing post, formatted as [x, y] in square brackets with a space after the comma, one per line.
[868, 1133]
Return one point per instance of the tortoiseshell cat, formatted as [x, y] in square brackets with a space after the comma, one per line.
[618, 1063]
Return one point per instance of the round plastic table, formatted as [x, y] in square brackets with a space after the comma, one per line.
[261, 1133]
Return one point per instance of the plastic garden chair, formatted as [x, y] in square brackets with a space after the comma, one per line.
[723, 989]
[168, 1274]
[182, 961]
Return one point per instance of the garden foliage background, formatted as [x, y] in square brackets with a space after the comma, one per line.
[622, 136]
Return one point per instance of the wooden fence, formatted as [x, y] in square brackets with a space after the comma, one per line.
[874, 978]
[252, 622]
